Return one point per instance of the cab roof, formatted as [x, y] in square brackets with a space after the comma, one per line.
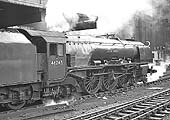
[48, 36]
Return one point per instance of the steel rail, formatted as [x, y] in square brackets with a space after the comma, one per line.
[104, 113]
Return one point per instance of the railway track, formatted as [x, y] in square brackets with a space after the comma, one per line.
[152, 107]
[38, 112]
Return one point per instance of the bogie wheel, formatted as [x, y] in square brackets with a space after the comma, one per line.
[18, 103]
[109, 81]
[122, 81]
[131, 81]
[134, 78]
[144, 80]
[92, 84]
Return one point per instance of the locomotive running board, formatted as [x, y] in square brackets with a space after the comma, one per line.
[75, 76]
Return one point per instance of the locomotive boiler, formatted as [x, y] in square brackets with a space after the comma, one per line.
[88, 50]
[39, 64]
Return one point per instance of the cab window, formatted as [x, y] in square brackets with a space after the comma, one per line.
[53, 49]
[60, 50]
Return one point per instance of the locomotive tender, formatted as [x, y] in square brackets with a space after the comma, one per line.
[39, 64]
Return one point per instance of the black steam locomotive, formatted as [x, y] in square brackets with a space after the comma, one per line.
[39, 64]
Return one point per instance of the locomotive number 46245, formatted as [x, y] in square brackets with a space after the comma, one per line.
[56, 62]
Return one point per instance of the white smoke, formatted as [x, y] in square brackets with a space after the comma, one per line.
[66, 101]
[112, 14]
[10, 37]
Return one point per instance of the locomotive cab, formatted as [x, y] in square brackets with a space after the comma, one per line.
[56, 60]
[51, 55]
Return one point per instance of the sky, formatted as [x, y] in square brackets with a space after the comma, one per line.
[112, 14]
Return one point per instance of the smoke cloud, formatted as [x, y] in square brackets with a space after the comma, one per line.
[112, 14]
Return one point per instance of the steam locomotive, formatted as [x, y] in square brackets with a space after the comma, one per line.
[39, 64]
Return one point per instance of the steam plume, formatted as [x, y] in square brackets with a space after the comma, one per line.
[112, 14]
